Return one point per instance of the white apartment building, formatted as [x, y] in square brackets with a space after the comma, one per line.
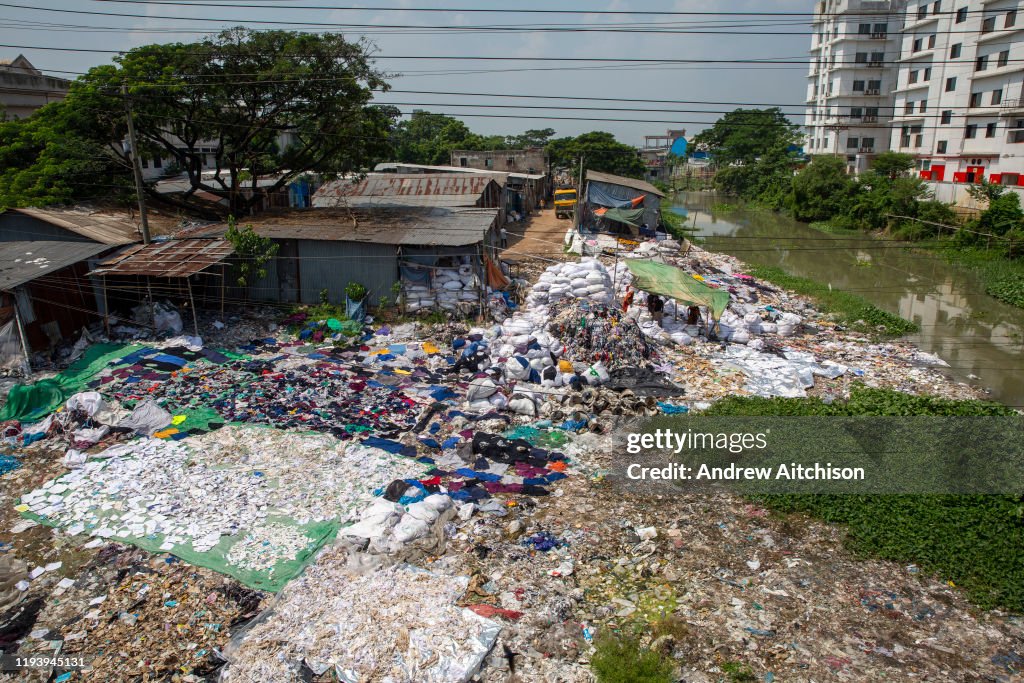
[854, 47]
[958, 98]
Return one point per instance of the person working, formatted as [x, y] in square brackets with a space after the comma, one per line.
[692, 315]
[656, 307]
[627, 300]
[504, 238]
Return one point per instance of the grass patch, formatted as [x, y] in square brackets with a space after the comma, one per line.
[1002, 278]
[849, 309]
[621, 659]
[832, 229]
[975, 541]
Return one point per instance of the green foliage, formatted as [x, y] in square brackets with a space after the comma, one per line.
[1002, 215]
[1002, 278]
[428, 138]
[739, 672]
[849, 309]
[355, 291]
[975, 541]
[893, 165]
[822, 190]
[744, 135]
[57, 157]
[621, 659]
[253, 252]
[674, 224]
[323, 311]
[600, 152]
[243, 88]
[986, 191]
[324, 296]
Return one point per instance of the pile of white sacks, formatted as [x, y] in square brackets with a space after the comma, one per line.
[586, 279]
[449, 288]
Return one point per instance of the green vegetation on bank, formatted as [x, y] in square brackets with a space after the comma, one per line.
[1003, 278]
[622, 659]
[977, 542]
[848, 309]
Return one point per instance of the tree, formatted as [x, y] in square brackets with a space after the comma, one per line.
[1002, 215]
[893, 164]
[531, 138]
[275, 103]
[986, 191]
[600, 152]
[253, 251]
[743, 135]
[428, 138]
[822, 190]
[56, 157]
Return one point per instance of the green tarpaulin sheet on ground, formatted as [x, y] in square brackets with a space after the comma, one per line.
[32, 402]
[677, 284]
[634, 217]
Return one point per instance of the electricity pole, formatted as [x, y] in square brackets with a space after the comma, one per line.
[136, 165]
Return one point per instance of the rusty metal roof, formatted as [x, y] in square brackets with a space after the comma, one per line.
[633, 183]
[436, 226]
[22, 262]
[102, 228]
[171, 258]
[412, 190]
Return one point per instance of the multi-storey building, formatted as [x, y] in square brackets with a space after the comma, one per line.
[958, 98]
[851, 80]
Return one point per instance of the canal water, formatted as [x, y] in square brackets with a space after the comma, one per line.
[980, 337]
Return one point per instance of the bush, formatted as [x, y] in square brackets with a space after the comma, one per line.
[822, 190]
[621, 659]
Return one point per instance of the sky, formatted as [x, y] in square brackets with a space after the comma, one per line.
[726, 85]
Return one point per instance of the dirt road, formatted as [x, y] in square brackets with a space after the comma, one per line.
[541, 235]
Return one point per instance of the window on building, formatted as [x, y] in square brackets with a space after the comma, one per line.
[868, 143]
[956, 50]
[851, 143]
[908, 108]
[856, 112]
[947, 117]
[997, 96]
[511, 162]
[464, 162]
[927, 74]
[158, 162]
[922, 11]
[940, 147]
[875, 86]
[1003, 59]
[913, 77]
[145, 162]
[975, 99]
[1011, 19]
[864, 29]
[880, 29]
[918, 140]
[990, 130]
[951, 84]
[860, 58]
[905, 137]
[981, 64]
[858, 86]
[488, 163]
[918, 42]
[923, 106]
[961, 15]
[877, 57]
[871, 112]
[931, 41]
[937, 7]
[971, 131]
[988, 25]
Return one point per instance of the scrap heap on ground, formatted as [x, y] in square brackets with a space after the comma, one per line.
[426, 502]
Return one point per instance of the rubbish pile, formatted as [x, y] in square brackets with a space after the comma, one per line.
[449, 289]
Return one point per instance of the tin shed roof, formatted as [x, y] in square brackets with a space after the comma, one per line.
[98, 227]
[22, 262]
[171, 258]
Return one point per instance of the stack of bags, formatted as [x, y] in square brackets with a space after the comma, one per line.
[587, 279]
[449, 288]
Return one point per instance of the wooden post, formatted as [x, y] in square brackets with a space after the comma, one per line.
[192, 303]
[106, 308]
[152, 303]
[223, 287]
[22, 337]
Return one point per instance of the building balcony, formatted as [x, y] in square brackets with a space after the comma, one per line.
[871, 5]
[1011, 107]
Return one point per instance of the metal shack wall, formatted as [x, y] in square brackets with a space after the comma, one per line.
[332, 265]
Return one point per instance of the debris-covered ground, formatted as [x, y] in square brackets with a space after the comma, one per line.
[280, 501]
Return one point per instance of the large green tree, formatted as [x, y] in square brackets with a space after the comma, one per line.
[822, 189]
[429, 138]
[276, 103]
[57, 157]
[600, 151]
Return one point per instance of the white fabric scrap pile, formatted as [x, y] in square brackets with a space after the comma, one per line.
[770, 375]
[397, 624]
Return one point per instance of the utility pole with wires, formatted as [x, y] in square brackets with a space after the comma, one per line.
[136, 164]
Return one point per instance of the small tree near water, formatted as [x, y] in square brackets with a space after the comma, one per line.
[253, 251]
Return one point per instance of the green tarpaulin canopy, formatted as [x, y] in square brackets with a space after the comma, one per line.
[634, 217]
[677, 284]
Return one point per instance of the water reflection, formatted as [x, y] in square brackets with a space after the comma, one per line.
[976, 334]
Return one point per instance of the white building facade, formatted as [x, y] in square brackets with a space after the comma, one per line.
[965, 121]
[854, 47]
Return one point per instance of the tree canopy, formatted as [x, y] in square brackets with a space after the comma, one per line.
[744, 135]
[276, 103]
[600, 151]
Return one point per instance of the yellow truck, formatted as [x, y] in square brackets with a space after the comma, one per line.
[565, 203]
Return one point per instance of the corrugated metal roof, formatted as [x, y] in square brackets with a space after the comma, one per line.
[104, 228]
[172, 258]
[409, 226]
[624, 182]
[22, 262]
[499, 176]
